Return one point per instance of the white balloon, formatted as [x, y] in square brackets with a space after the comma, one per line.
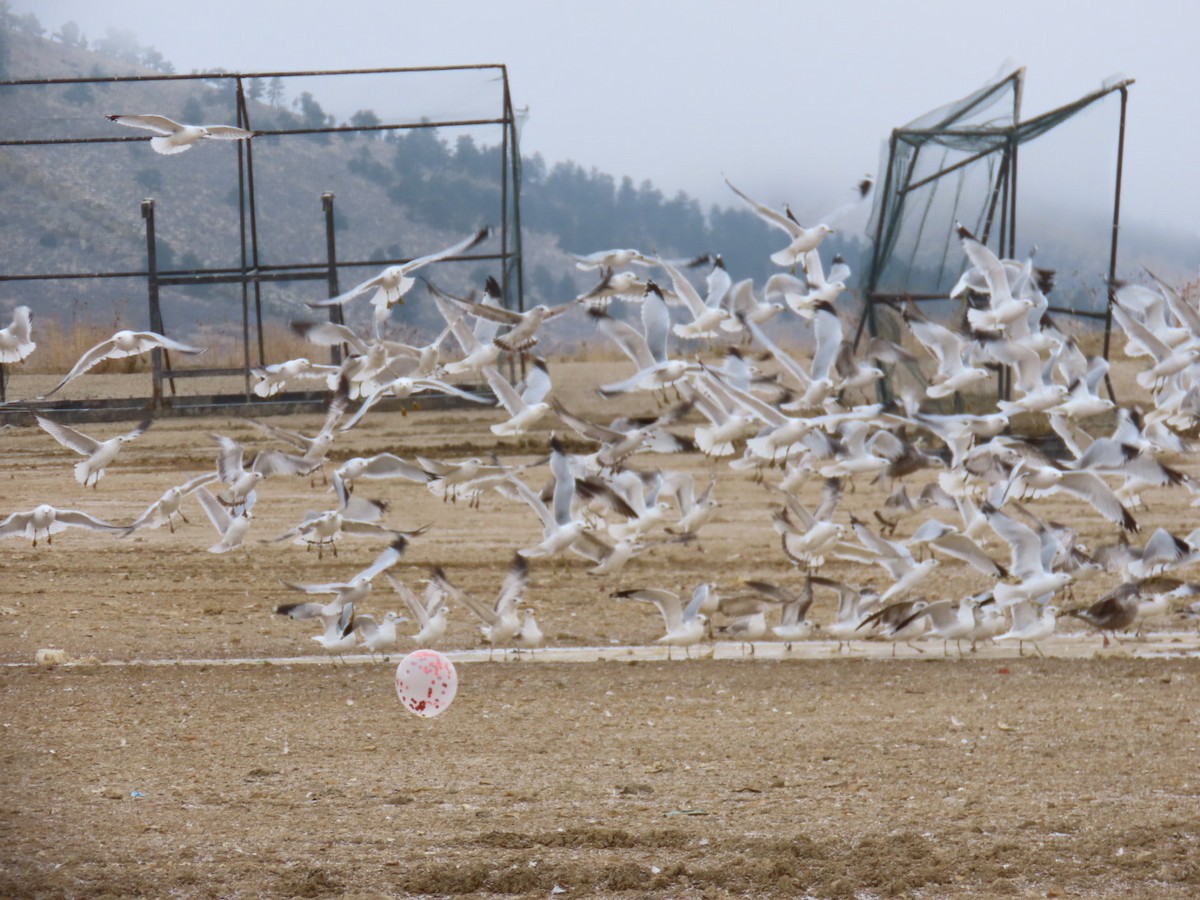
[426, 682]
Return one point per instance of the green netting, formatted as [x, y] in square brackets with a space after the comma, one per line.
[956, 163]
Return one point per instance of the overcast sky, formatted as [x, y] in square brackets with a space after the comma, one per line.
[790, 100]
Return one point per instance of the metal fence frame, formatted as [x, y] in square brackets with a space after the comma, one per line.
[1004, 200]
[251, 274]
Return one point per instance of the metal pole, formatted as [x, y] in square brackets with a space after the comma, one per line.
[243, 116]
[335, 312]
[1116, 225]
[868, 313]
[156, 322]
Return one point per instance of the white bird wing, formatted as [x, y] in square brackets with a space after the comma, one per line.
[667, 603]
[537, 383]
[90, 358]
[148, 340]
[453, 250]
[629, 339]
[771, 216]
[992, 268]
[656, 323]
[513, 587]
[158, 124]
[1026, 545]
[685, 289]
[504, 391]
[410, 599]
[75, 517]
[217, 514]
[827, 328]
[227, 133]
[384, 560]
[68, 437]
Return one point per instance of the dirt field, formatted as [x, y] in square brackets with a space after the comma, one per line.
[831, 776]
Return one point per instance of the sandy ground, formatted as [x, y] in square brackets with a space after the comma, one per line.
[838, 775]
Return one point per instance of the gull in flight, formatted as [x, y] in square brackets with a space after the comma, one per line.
[611, 259]
[173, 137]
[430, 615]
[685, 625]
[802, 239]
[344, 593]
[49, 520]
[524, 408]
[500, 622]
[523, 326]
[241, 481]
[394, 282]
[231, 528]
[163, 510]
[99, 453]
[16, 341]
[123, 343]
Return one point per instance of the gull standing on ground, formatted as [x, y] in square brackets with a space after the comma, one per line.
[793, 622]
[99, 453]
[16, 341]
[121, 344]
[685, 626]
[1030, 626]
[173, 137]
[378, 637]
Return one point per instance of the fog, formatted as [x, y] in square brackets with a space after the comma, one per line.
[789, 100]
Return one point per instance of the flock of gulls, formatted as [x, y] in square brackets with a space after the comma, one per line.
[961, 487]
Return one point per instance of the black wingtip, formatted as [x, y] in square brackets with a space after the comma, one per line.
[492, 287]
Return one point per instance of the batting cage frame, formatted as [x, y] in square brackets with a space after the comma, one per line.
[253, 268]
[967, 136]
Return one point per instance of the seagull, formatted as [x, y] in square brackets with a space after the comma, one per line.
[16, 341]
[355, 590]
[893, 556]
[949, 540]
[99, 453]
[378, 637]
[949, 620]
[647, 348]
[854, 606]
[898, 622]
[500, 621]
[802, 239]
[121, 344]
[275, 378]
[685, 626]
[793, 624]
[338, 636]
[1030, 626]
[560, 527]
[1115, 611]
[530, 637]
[430, 615]
[381, 465]
[1004, 307]
[241, 481]
[522, 333]
[524, 408]
[394, 282]
[611, 259]
[1032, 561]
[231, 528]
[478, 343]
[357, 517]
[174, 137]
[163, 510]
[49, 520]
